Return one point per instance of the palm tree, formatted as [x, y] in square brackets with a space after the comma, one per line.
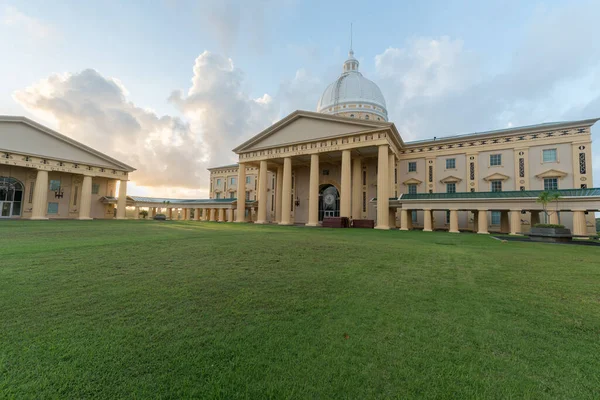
[546, 198]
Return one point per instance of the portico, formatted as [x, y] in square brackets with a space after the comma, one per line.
[309, 153]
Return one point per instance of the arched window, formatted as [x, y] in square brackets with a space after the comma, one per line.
[351, 115]
[367, 116]
[11, 197]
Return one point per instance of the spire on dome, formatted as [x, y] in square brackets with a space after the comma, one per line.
[351, 64]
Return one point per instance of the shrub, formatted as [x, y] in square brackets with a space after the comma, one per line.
[548, 226]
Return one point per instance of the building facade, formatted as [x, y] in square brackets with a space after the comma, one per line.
[347, 160]
[45, 175]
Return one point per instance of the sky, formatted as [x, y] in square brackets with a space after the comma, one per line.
[171, 86]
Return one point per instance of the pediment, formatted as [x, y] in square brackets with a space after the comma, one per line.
[496, 177]
[302, 126]
[551, 173]
[412, 181]
[451, 179]
[21, 135]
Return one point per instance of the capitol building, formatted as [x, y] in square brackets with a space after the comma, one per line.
[344, 160]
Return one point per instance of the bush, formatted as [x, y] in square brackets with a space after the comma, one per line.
[548, 226]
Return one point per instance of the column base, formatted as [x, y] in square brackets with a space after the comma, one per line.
[427, 230]
[39, 219]
[121, 218]
[312, 224]
[261, 222]
[515, 234]
[383, 227]
[404, 229]
[240, 222]
[85, 219]
[483, 233]
[454, 231]
[285, 224]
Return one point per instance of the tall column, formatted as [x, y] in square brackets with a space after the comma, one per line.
[535, 218]
[554, 217]
[482, 221]
[404, 219]
[313, 191]
[213, 215]
[515, 222]
[122, 200]
[346, 184]
[383, 201]
[579, 224]
[504, 222]
[286, 192]
[391, 170]
[356, 188]
[197, 214]
[241, 192]
[475, 221]
[85, 206]
[137, 213]
[409, 221]
[40, 196]
[454, 221]
[231, 212]
[221, 215]
[278, 188]
[427, 221]
[170, 213]
[262, 193]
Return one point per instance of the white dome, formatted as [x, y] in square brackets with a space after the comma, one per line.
[352, 93]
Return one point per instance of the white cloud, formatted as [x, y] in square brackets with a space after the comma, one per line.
[16, 19]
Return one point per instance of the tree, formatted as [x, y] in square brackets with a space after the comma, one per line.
[144, 214]
[546, 198]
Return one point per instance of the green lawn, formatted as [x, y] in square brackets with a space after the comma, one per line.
[144, 309]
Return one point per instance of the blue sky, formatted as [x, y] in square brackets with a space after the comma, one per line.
[171, 86]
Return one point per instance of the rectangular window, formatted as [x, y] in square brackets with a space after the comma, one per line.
[218, 182]
[247, 195]
[412, 166]
[495, 159]
[582, 163]
[325, 172]
[31, 192]
[95, 188]
[218, 196]
[414, 216]
[450, 187]
[75, 195]
[248, 179]
[52, 208]
[364, 201]
[231, 195]
[272, 202]
[496, 186]
[412, 188]
[549, 155]
[584, 186]
[447, 216]
[54, 185]
[551, 184]
[273, 183]
[364, 178]
[232, 181]
[450, 163]
[395, 176]
[496, 215]
[430, 173]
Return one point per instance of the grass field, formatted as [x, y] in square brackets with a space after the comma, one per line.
[144, 309]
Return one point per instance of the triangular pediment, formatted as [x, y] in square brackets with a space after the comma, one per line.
[551, 173]
[303, 126]
[496, 177]
[451, 179]
[412, 181]
[21, 135]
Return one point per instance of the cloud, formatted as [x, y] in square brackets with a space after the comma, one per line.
[170, 153]
[16, 19]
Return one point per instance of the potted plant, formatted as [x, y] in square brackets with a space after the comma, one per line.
[550, 232]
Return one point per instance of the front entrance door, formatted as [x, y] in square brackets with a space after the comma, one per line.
[5, 209]
[329, 202]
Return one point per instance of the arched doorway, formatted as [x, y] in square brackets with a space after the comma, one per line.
[329, 202]
[11, 197]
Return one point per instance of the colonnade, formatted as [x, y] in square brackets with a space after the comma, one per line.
[510, 220]
[350, 189]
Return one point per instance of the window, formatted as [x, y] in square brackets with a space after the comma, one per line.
[52, 208]
[248, 179]
[364, 177]
[76, 192]
[549, 155]
[232, 181]
[412, 166]
[231, 195]
[495, 159]
[31, 193]
[364, 201]
[412, 188]
[582, 163]
[522, 188]
[351, 115]
[496, 186]
[325, 172]
[54, 185]
[550, 184]
[447, 216]
[395, 176]
[218, 196]
[450, 187]
[496, 217]
[414, 216]
[450, 163]
[247, 195]
[95, 188]
[472, 189]
[584, 186]
[219, 182]
[366, 117]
